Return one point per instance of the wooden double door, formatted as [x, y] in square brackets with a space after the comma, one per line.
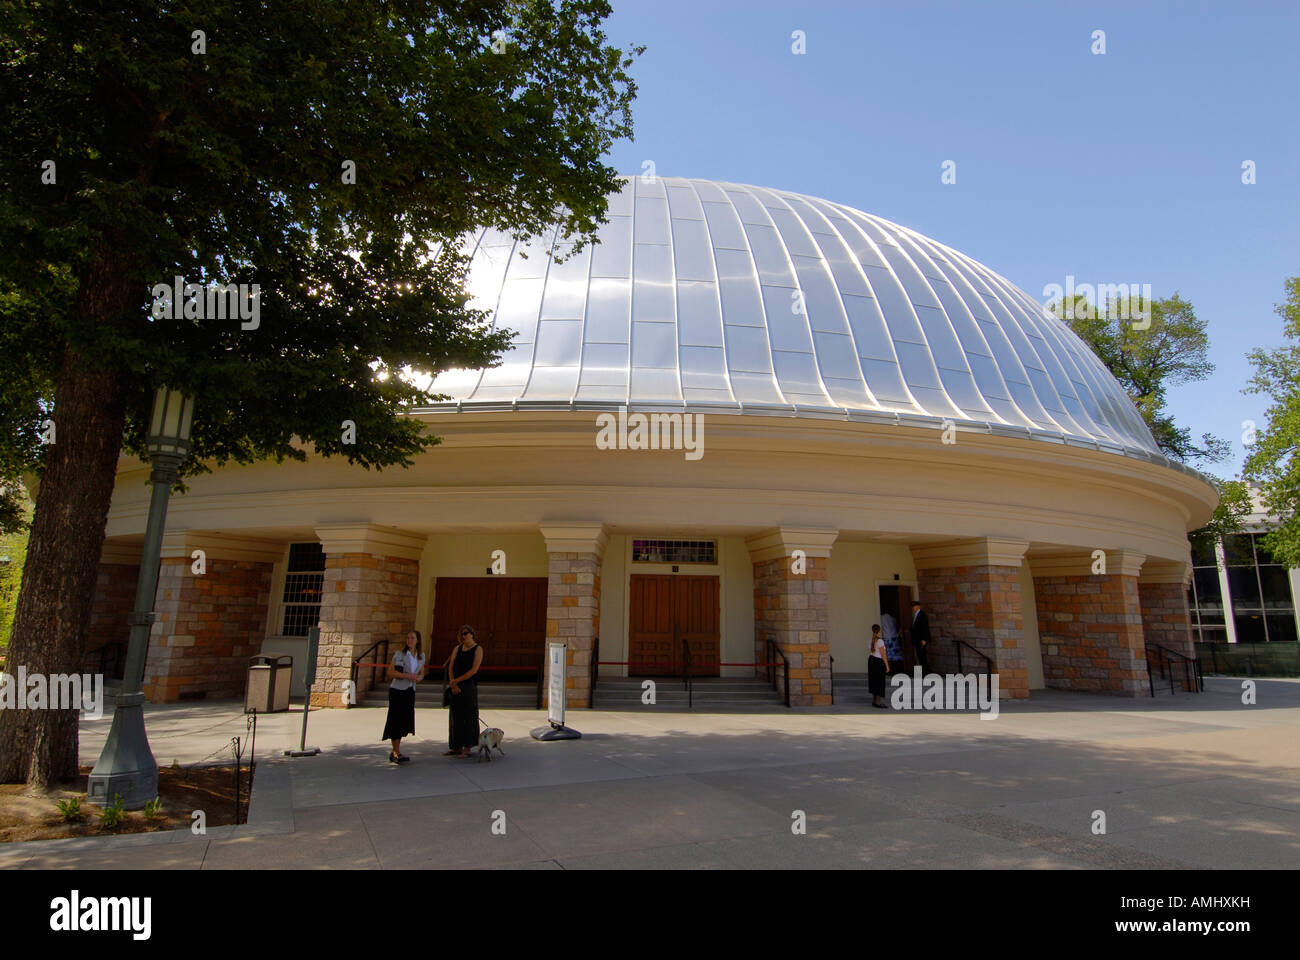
[508, 615]
[664, 610]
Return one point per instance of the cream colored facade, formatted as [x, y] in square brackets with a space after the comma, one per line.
[876, 496]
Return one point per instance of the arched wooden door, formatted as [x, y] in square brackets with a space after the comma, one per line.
[663, 609]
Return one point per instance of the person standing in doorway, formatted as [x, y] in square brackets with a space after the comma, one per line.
[406, 670]
[921, 637]
[462, 686]
[877, 668]
[889, 629]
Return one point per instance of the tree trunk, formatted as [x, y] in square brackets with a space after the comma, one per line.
[67, 537]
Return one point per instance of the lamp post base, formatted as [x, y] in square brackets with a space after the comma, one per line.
[126, 766]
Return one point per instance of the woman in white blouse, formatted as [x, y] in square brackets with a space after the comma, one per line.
[877, 668]
[406, 670]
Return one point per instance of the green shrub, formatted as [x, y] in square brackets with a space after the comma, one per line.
[71, 810]
[153, 809]
[113, 814]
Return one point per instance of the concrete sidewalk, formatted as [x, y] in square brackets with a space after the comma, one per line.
[1190, 781]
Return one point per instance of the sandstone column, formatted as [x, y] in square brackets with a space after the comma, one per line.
[574, 551]
[372, 577]
[119, 568]
[211, 614]
[970, 590]
[1090, 621]
[791, 607]
[1162, 590]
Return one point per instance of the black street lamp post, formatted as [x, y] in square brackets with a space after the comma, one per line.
[127, 766]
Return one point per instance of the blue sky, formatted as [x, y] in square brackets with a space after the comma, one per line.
[1123, 167]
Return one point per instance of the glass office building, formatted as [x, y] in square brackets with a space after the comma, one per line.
[1238, 594]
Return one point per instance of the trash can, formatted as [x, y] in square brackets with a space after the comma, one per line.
[258, 689]
[281, 680]
[269, 678]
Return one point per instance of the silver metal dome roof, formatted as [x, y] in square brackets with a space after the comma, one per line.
[725, 298]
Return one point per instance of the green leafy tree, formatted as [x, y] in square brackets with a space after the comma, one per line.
[1149, 347]
[330, 152]
[1274, 460]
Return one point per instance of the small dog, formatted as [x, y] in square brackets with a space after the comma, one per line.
[489, 738]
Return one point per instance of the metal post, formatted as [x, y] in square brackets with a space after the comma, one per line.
[309, 678]
[237, 783]
[304, 750]
[126, 765]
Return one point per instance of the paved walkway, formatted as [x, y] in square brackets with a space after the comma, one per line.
[1190, 781]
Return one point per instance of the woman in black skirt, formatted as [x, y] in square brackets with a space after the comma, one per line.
[406, 671]
[462, 685]
[877, 667]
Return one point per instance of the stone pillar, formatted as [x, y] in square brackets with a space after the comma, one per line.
[211, 615]
[970, 590]
[574, 552]
[791, 607]
[119, 569]
[1090, 624]
[1162, 590]
[372, 577]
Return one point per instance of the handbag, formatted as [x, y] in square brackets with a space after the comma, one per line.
[446, 695]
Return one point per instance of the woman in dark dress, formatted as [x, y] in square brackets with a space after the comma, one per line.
[877, 667]
[462, 685]
[406, 670]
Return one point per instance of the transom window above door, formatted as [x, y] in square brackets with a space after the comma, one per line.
[674, 551]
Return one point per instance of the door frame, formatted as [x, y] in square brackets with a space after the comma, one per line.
[719, 570]
[906, 644]
[717, 579]
[488, 632]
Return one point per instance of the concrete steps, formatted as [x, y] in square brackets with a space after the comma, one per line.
[851, 689]
[491, 696]
[711, 694]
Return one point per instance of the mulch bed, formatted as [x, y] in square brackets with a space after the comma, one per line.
[34, 815]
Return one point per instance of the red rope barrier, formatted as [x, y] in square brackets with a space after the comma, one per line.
[385, 666]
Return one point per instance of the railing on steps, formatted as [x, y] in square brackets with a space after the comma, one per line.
[109, 661]
[1167, 659]
[988, 661]
[686, 674]
[769, 649]
[593, 674]
[378, 663]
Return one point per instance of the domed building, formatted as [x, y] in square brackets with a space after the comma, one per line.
[740, 429]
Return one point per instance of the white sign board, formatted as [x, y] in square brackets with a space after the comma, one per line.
[555, 694]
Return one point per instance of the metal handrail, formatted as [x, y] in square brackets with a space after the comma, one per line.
[357, 661]
[593, 673]
[1192, 678]
[962, 643]
[541, 672]
[832, 679]
[686, 674]
[114, 651]
[772, 647]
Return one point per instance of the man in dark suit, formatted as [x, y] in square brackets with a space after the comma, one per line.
[921, 637]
